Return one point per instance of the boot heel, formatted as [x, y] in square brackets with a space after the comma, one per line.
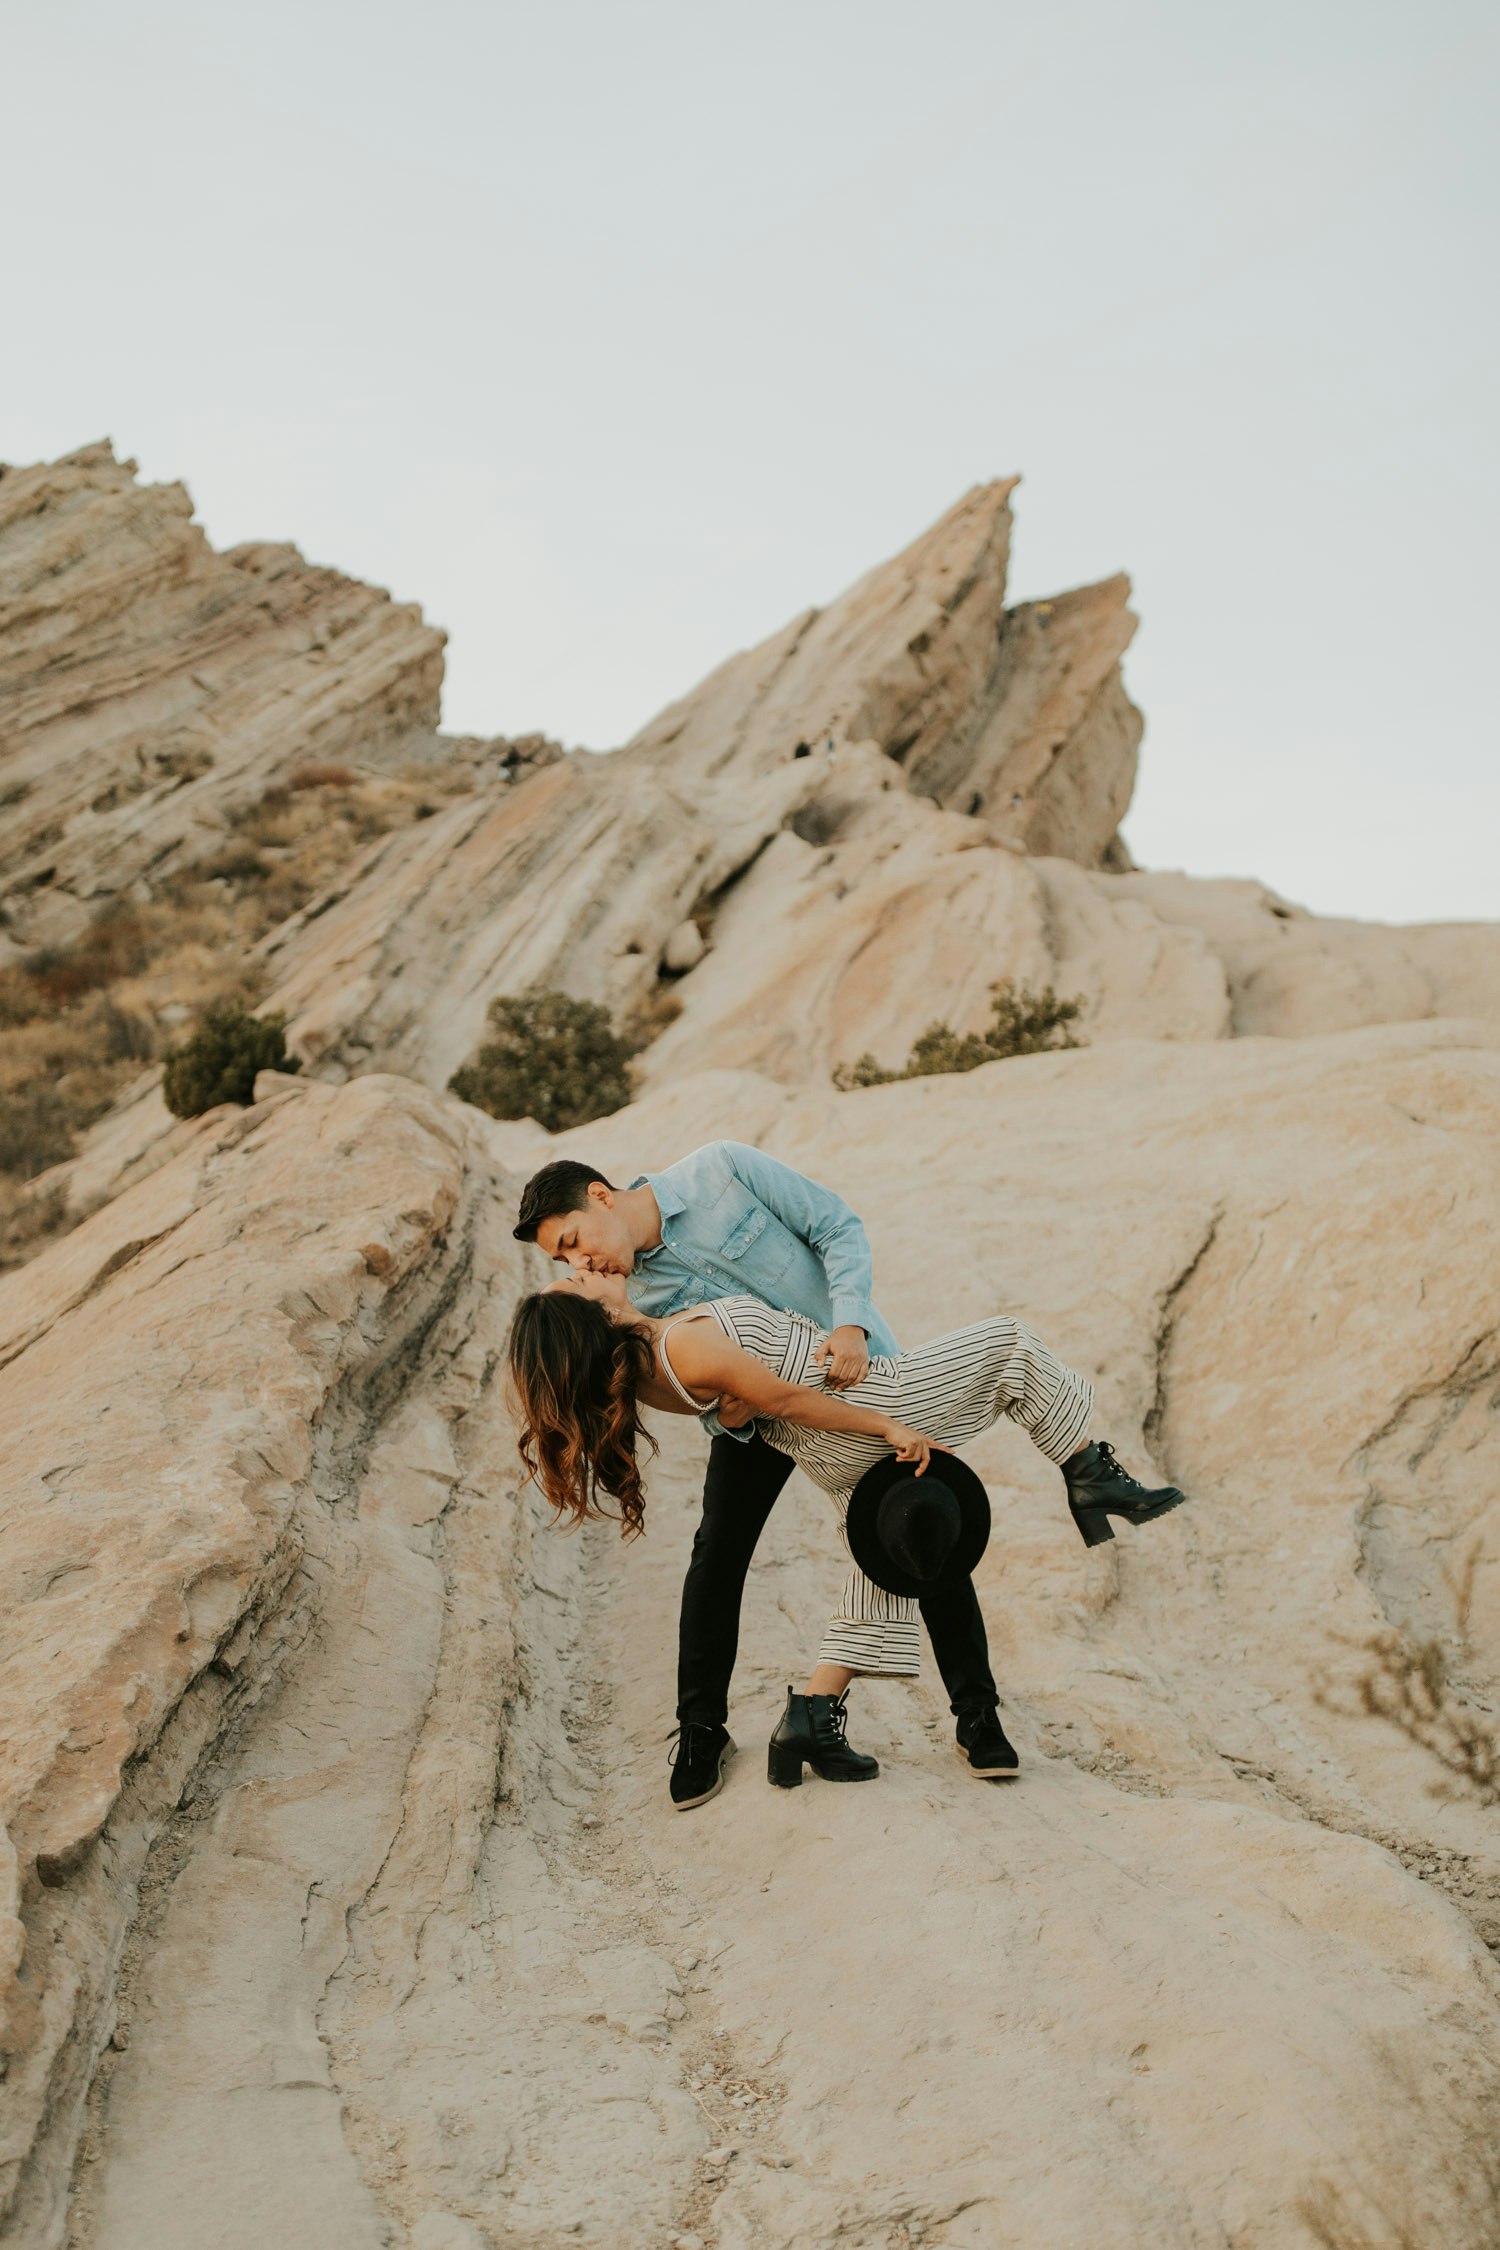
[1094, 1526]
[783, 1766]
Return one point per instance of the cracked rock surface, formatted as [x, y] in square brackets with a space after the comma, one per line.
[349, 1906]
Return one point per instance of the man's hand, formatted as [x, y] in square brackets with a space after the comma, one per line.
[734, 1413]
[846, 1356]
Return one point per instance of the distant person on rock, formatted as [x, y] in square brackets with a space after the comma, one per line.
[763, 1280]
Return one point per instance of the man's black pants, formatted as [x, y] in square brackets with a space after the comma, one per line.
[739, 1492]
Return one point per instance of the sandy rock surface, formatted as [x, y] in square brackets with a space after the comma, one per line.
[354, 1907]
[149, 685]
[1289, 972]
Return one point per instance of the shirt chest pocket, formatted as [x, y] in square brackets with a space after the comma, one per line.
[745, 1229]
[760, 1247]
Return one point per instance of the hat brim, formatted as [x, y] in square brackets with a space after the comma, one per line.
[860, 1524]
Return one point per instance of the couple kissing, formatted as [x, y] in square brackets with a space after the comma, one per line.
[731, 1288]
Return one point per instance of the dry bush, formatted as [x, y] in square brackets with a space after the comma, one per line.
[117, 943]
[34, 1131]
[28, 1221]
[1436, 2187]
[1408, 1682]
[1022, 1022]
[79, 1021]
[314, 776]
[236, 863]
[650, 1016]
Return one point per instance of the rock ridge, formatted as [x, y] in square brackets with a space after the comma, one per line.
[149, 686]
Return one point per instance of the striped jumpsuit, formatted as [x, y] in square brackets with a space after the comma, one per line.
[950, 1389]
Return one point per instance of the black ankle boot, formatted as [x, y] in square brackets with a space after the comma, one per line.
[811, 1733]
[1099, 1487]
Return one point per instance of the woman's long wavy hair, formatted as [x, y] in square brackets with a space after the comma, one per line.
[574, 1375]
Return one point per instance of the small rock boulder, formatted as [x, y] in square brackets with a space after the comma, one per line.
[683, 950]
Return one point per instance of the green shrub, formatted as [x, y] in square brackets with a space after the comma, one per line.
[219, 1062]
[554, 1058]
[1023, 1023]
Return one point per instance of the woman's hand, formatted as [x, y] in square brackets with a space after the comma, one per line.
[908, 1444]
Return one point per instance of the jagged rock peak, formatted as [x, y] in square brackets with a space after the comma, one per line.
[1019, 716]
[149, 684]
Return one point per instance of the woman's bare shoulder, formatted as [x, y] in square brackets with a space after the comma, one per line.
[697, 1341]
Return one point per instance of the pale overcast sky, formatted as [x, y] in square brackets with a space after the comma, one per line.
[615, 331]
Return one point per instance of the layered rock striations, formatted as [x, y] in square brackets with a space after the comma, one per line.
[149, 685]
[1019, 714]
[344, 1867]
[341, 1901]
[871, 817]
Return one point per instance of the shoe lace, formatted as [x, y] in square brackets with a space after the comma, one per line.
[838, 1719]
[1113, 1466]
[681, 1739]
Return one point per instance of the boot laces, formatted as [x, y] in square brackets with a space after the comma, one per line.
[681, 1739]
[1112, 1464]
[838, 1719]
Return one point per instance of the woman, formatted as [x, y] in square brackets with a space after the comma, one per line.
[583, 1362]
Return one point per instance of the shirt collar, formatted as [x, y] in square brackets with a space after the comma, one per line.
[668, 1202]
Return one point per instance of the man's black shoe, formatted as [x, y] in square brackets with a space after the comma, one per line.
[1099, 1487]
[984, 1743]
[698, 1764]
[811, 1733]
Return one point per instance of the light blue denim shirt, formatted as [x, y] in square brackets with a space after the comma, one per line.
[734, 1221]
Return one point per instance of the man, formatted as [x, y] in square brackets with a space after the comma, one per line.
[728, 1220]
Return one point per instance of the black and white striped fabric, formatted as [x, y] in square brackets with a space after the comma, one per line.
[951, 1389]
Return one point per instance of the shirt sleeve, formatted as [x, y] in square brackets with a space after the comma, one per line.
[715, 1428]
[823, 1221]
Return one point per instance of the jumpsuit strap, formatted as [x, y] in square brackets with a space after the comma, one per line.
[699, 1312]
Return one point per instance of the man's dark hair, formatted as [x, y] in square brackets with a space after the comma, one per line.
[553, 1192]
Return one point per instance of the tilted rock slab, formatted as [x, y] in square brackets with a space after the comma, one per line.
[1017, 713]
[339, 1795]
[573, 877]
[917, 681]
[871, 818]
[874, 815]
[149, 685]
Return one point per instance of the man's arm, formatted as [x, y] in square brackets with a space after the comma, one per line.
[826, 1224]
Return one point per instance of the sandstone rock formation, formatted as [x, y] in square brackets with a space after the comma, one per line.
[1290, 972]
[148, 685]
[341, 1903]
[349, 1905]
[1020, 714]
[874, 815]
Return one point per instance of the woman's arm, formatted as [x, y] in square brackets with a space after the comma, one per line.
[709, 1363]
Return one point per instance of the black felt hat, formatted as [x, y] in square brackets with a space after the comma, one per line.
[911, 1534]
